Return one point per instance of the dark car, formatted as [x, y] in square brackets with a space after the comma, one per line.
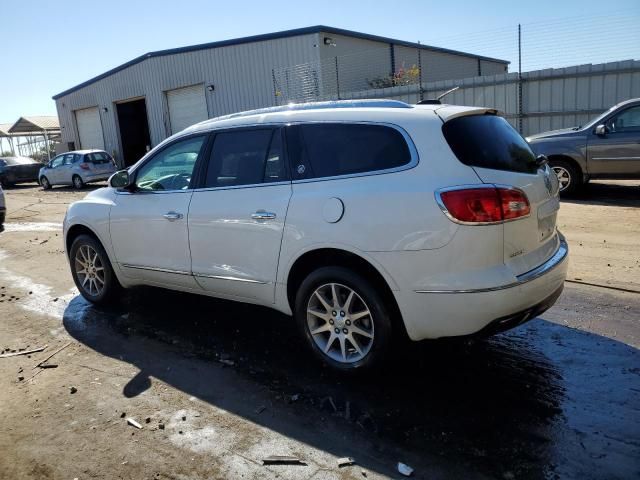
[18, 170]
[606, 147]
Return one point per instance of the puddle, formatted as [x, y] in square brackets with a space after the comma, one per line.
[42, 299]
[33, 227]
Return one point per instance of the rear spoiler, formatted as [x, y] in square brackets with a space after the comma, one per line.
[449, 112]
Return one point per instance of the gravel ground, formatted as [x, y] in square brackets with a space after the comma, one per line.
[217, 386]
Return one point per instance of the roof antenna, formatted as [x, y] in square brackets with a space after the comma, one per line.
[436, 101]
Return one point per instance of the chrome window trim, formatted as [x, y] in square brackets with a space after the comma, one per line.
[237, 187]
[555, 260]
[445, 210]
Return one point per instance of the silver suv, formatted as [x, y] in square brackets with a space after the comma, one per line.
[606, 147]
[77, 168]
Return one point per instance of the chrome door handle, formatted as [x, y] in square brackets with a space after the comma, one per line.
[171, 216]
[263, 215]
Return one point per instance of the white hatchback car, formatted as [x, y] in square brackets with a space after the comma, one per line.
[365, 220]
[77, 168]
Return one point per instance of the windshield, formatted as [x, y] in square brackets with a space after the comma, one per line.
[596, 120]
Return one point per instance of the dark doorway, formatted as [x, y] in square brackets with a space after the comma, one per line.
[134, 130]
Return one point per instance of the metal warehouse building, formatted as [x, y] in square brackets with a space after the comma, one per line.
[133, 107]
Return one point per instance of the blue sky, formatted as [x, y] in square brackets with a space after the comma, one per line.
[51, 46]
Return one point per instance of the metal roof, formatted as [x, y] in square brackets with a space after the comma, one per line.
[35, 124]
[273, 36]
[4, 129]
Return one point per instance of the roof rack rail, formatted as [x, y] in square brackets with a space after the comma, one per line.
[318, 106]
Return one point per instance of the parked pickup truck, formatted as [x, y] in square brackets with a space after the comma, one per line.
[606, 147]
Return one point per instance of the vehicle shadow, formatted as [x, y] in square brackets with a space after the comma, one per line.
[56, 188]
[536, 402]
[618, 194]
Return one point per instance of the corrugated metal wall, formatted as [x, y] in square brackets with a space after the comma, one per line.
[241, 74]
[551, 98]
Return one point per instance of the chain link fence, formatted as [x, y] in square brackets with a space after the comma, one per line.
[564, 50]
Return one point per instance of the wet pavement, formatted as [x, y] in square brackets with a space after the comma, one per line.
[542, 401]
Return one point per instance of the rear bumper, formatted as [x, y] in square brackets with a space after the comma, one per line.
[447, 313]
[97, 177]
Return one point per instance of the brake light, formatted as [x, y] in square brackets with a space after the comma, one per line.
[85, 166]
[484, 205]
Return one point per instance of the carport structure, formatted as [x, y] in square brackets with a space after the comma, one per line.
[38, 132]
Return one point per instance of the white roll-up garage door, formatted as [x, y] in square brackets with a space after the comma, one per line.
[186, 107]
[90, 128]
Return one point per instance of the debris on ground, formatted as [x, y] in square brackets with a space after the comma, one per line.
[345, 462]
[23, 352]
[294, 398]
[260, 409]
[147, 420]
[133, 423]
[20, 378]
[41, 364]
[405, 470]
[123, 414]
[224, 361]
[161, 426]
[282, 460]
[184, 418]
[49, 365]
[73, 390]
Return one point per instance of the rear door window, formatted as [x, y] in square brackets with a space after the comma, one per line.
[334, 149]
[246, 157]
[488, 141]
[98, 158]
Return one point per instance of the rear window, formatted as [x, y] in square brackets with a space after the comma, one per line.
[98, 157]
[333, 149]
[488, 141]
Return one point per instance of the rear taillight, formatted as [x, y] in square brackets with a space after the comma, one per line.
[85, 166]
[483, 205]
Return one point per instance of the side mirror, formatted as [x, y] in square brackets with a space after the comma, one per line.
[120, 180]
[601, 130]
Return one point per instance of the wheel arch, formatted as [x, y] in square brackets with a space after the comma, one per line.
[570, 159]
[310, 260]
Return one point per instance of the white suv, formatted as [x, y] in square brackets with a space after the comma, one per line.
[365, 220]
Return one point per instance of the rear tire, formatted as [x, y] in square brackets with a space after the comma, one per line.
[78, 184]
[350, 328]
[46, 185]
[92, 271]
[569, 176]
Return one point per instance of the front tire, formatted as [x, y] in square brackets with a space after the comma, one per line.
[92, 271]
[343, 319]
[78, 184]
[569, 176]
[46, 185]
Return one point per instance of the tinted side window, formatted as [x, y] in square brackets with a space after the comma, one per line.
[331, 149]
[245, 157]
[488, 141]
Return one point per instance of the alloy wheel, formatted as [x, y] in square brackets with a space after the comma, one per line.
[340, 323]
[89, 269]
[564, 177]
[77, 182]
